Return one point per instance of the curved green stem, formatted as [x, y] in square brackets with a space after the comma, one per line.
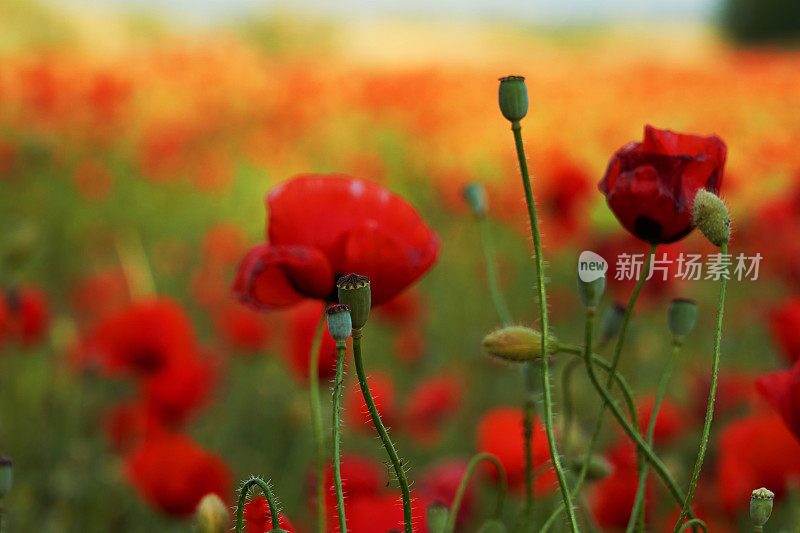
[638, 503]
[273, 508]
[712, 394]
[450, 526]
[491, 273]
[546, 399]
[529, 408]
[696, 522]
[316, 419]
[337, 402]
[381, 429]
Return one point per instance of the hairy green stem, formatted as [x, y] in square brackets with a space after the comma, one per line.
[696, 522]
[381, 429]
[712, 394]
[341, 347]
[450, 526]
[316, 419]
[638, 502]
[273, 507]
[546, 398]
[491, 272]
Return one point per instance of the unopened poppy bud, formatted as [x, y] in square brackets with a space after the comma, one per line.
[711, 217]
[340, 325]
[355, 293]
[492, 526]
[599, 467]
[682, 317]
[761, 506]
[437, 517]
[475, 196]
[513, 96]
[612, 322]
[212, 515]
[6, 475]
[591, 291]
[517, 344]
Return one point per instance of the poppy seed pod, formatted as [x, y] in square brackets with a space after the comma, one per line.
[591, 291]
[6, 475]
[340, 325]
[612, 322]
[437, 517]
[681, 317]
[354, 292]
[761, 506]
[475, 196]
[513, 97]
[517, 344]
[711, 217]
[212, 515]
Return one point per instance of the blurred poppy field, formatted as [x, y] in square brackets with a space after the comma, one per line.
[155, 346]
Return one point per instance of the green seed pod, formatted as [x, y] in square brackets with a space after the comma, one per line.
[340, 325]
[599, 467]
[517, 344]
[475, 196]
[513, 96]
[492, 526]
[591, 292]
[437, 517]
[682, 317]
[711, 217]
[354, 292]
[6, 475]
[212, 515]
[761, 506]
[612, 322]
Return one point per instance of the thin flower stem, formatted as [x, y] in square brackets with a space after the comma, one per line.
[637, 514]
[273, 507]
[696, 522]
[341, 347]
[450, 526]
[316, 418]
[566, 389]
[712, 394]
[529, 408]
[381, 429]
[546, 398]
[491, 272]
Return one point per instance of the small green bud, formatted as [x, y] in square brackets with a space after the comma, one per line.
[212, 515]
[492, 526]
[6, 475]
[517, 344]
[475, 196]
[355, 293]
[340, 325]
[612, 322]
[513, 96]
[598, 468]
[437, 517]
[711, 217]
[761, 506]
[591, 292]
[682, 317]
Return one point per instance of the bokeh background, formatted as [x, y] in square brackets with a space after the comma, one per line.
[137, 141]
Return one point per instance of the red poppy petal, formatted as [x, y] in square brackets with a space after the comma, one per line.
[280, 276]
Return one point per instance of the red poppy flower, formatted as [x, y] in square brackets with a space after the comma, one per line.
[430, 405]
[355, 409]
[782, 391]
[126, 424]
[500, 432]
[172, 473]
[361, 476]
[99, 294]
[650, 186]
[381, 513]
[173, 395]
[670, 424]
[28, 314]
[242, 328]
[322, 227]
[735, 391]
[303, 322]
[612, 497]
[144, 338]
[784, 324]
[440, 483]
[258, 519]
[757, 451]
[403, 309]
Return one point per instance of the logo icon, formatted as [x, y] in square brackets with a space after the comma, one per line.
[591, 266]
